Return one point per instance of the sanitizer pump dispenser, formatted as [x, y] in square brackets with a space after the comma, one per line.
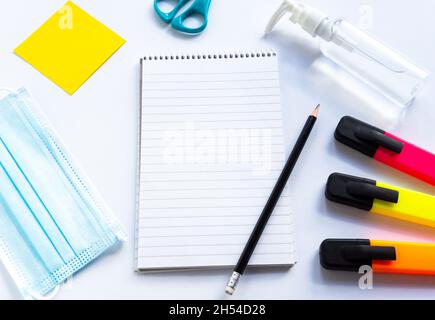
[366, 58]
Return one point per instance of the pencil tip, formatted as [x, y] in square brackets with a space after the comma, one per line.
[316, 111]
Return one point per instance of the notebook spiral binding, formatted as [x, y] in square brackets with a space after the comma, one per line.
[212, 56]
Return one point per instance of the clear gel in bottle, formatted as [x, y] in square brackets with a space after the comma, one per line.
[375, 64]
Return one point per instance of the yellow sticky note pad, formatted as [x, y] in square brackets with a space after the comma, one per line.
[69, 47]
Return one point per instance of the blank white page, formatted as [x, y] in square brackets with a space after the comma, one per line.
[211, 150]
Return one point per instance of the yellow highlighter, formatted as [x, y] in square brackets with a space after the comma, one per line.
[381, 198]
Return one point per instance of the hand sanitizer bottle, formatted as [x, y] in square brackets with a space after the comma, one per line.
[366, 58]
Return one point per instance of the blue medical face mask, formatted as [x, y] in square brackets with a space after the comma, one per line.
[52, 222]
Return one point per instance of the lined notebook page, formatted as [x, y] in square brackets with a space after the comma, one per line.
[211, 150]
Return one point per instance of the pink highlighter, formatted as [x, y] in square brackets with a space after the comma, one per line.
[387, 148]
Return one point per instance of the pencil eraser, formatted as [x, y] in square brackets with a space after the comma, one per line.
[229, 290]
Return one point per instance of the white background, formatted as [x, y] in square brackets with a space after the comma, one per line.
[98, 124]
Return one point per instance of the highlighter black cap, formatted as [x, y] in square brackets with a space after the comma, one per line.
[365, 138]
[351, 254]
[357, 192]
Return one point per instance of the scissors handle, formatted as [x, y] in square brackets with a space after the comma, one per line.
[199, 7]
[169, 16]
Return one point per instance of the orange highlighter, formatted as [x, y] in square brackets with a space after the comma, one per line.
[382, 256]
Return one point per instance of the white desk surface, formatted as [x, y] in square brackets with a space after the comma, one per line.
[98, 124]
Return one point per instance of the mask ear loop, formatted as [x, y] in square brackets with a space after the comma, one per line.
[4, 89]
[48, 296]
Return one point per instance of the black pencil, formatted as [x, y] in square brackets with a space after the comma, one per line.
[271, 203]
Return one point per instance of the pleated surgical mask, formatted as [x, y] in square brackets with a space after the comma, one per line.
[52, 221]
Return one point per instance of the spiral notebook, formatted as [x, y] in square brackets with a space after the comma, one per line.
[211, 149]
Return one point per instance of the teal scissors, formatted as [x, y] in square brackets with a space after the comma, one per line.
[198, 7]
